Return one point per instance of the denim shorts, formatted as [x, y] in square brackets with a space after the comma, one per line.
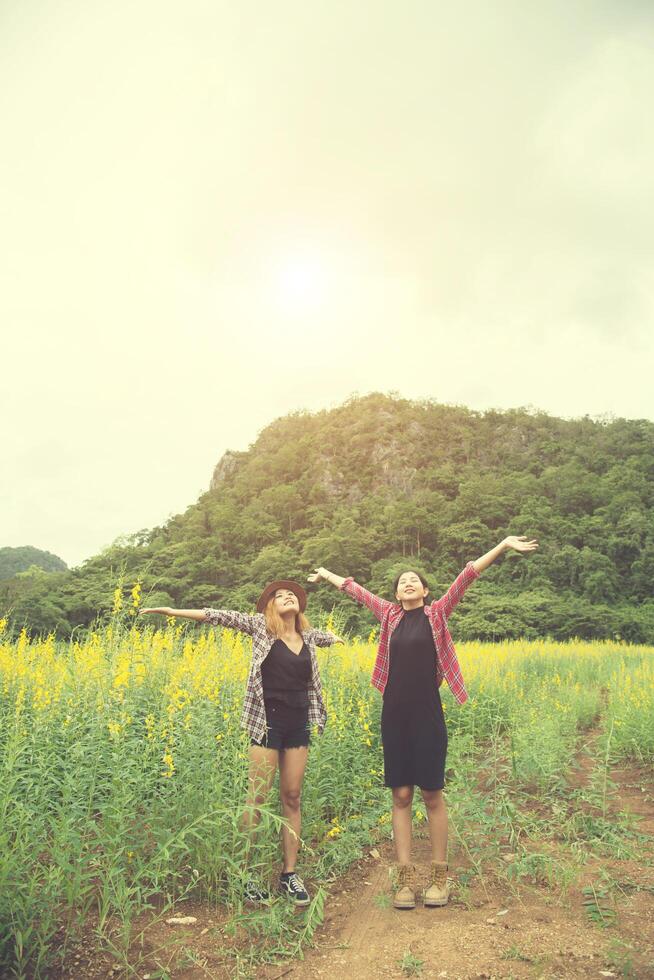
[287, 728]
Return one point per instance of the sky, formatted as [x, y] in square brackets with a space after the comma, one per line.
[213, 214]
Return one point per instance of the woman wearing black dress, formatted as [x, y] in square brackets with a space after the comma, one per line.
[415, 654]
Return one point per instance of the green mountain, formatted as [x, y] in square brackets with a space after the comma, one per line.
[15, 561]
[381, 483]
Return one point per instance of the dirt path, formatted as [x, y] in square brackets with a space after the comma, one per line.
[486, 931]
[490, 935]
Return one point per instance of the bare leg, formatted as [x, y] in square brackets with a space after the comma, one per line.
[437, 817]
[402, 800]
[263, 765]
[292, 763]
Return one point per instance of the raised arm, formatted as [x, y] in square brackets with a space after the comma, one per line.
[473, 569]
[513, 543]
[233, 620]
[457, 589]
[375, 604]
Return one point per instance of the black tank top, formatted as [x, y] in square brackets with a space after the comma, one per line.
[286, 675]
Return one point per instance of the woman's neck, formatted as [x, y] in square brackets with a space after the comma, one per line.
[289, 627]
[412, 604]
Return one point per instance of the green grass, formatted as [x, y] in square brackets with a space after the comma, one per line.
[123, 773]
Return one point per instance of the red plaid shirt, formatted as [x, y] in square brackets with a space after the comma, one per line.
[389, 615]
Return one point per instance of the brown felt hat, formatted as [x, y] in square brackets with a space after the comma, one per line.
[270, 590]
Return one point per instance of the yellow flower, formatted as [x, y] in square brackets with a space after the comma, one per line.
[136, 594]
[169, 763]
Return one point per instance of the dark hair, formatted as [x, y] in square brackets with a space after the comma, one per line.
[397, 580]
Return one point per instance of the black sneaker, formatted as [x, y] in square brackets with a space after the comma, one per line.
[252, 892]
[292, 885]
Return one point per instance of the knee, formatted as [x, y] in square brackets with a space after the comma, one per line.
[253, 804]
[403, 797]
[291, 799]
[434, 800]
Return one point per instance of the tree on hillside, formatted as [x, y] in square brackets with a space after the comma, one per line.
[381, 480]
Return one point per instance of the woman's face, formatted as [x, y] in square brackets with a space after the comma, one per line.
[410, 588]
[285, 601]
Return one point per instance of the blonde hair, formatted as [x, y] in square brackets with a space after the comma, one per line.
[275, 623]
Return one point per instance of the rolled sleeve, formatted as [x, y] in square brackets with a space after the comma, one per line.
[325, 638]
[229, 618]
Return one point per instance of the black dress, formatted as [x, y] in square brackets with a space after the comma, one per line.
[414, 735]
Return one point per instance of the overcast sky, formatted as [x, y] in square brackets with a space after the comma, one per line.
[214, 213]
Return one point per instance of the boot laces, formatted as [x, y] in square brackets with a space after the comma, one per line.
[438, 875]
[404, 875]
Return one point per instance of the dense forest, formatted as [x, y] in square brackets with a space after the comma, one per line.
[382, 483]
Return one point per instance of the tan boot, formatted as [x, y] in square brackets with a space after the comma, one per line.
[437, 891]
[405, 896]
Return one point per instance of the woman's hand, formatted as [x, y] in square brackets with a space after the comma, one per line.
[164, 610]
[514, 541]
[327, 576]
[520, 543]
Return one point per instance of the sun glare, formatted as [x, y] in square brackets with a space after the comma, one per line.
[300, 283]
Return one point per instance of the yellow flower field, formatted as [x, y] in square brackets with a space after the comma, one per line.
[123, 761]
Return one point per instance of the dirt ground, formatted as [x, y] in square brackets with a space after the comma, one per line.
[495, 936]
[485, 932]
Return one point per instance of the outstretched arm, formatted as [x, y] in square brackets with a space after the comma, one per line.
[324, 638]
[457, 590]
[217, 617]
[197, 614]
[513, 542]
[326, 576]
[375, 604]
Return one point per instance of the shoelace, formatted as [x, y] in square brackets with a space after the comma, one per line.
[295, 883]
[404, 876]
[256, 891]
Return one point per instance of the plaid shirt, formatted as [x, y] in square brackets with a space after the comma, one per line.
[253, 717]
[389, 615]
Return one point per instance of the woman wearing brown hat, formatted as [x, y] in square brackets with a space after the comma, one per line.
[283, 699]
